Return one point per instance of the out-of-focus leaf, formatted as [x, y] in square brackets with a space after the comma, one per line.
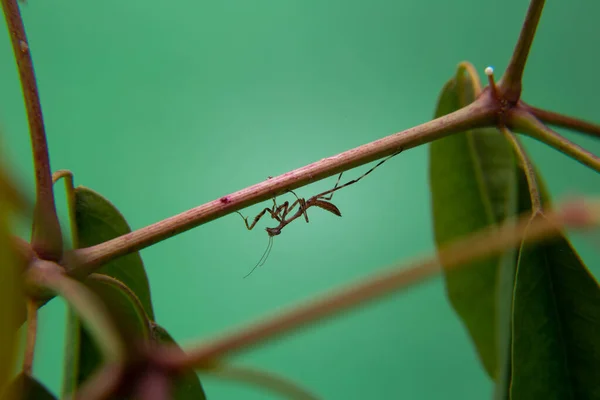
[556, 325]
[132, 325]
[26, 387]
[187, 386]
[11, 294]
[473, 180]
[97, 221]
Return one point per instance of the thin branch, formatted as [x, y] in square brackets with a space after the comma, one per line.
[482, 112]
[101, 385]
[70, 191]
[511, 82]
[90, 308]
[532, 184]
[262, 379]
[46, 235]
[32, 320]
[487, 242]
[109, 280]
[564, 121]
[522, 121]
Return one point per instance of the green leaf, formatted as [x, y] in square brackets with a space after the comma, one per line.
[97, 221]
[26, 387]
[473, 181]
[186, 386]
[130, 321]
[506, 283]
[524, 201]
[556, 325]
[12, 300]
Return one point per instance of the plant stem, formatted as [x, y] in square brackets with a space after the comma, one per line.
[479, 113]
[487, 242]
[109, 280]
[70, 190]
[522, 121]
[46, 235]
[31, 336]
[90, 309]
[563, 121]
[262, 379]
[101, 385]
[534, 190]
[511, 82]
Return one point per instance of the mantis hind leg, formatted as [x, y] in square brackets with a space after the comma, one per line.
[301, 203]
[334, 188]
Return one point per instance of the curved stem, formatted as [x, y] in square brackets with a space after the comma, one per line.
[523, 122]
[564, 121]
[262, 379]
[532, 184]
[31, 336]
[487, 242]
[90, 309]
[70, 190]
[479, 113]
[46, 234]
[109, 280]
[511, 82]
[100, 385]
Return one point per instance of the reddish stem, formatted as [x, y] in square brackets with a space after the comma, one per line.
[564, 121]
[46, 236]
[479, 113]
[511, 82]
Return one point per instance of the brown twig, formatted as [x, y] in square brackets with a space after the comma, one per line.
[487, 242]
[46, 235]
[563, 121]
[511, 82]
[126, 290]
[90, 308]
[479, 113]
[522, 121]
[101, 385]
[70, 192]
[31, 336]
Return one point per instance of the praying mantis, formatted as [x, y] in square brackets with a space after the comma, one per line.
[283, 213]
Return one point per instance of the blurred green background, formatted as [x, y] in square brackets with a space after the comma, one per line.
[162, 106]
